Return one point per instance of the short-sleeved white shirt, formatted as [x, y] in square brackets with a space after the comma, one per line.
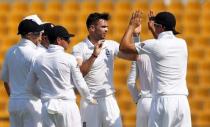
[100, 77]
[17, 66]
[53, 72]
[168, 55]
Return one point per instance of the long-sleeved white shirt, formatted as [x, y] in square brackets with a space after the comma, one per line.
[17, 66]
[55, 72]
[142, 70]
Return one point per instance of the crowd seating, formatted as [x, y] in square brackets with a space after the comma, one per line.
[192, 21]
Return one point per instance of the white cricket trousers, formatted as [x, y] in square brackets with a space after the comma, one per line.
[104, 114]
[25, 112]
[60, 113]
[143, 109]
[170, 111]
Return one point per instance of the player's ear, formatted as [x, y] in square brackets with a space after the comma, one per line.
[59, 40]
[92, 28]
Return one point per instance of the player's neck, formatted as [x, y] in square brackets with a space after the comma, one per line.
[92, 40]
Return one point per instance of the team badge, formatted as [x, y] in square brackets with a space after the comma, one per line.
[107, 53]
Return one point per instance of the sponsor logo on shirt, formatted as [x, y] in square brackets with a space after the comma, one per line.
[107, 52]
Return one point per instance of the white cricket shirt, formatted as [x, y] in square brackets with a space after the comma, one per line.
[55, 72]
[41, 48]
[17, 66]
[142, 70]
[168, 55]
[100, 77]
[145, 75]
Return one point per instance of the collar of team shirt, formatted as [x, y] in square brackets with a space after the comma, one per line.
[24, 41]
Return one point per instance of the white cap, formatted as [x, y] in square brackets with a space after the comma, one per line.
[34, 18]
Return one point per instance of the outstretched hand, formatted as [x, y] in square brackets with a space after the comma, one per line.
[137, 31]
[135, 20]
[151, 21]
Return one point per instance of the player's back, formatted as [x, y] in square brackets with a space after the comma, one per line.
[19, 60]
[169, 63]
[53, 69]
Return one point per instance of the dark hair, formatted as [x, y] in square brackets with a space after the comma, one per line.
[167, 20]
[94, 17]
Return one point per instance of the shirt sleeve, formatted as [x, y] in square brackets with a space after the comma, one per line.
[145, 47]
[79, 81]
[31, 82]
[5, 71]
[131, 82]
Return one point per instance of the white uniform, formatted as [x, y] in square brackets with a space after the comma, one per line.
[55, 72]
[24, 108]
[141, 69]
[100, 82]
[168, 56]
[41, 48]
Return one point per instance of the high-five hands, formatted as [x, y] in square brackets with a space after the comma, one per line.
[151, 24]
[137, 31]
[135, 20]
[151, 21]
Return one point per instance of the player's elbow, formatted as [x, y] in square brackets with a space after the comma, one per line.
[123, 48]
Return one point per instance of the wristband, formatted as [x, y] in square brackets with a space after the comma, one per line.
[94, 55]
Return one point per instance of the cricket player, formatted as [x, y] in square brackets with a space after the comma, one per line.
[24, 108]
[95, 56]
[168, 56]
[141, 69]
[55, 73]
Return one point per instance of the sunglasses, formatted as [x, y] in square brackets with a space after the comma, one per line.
[157, 25]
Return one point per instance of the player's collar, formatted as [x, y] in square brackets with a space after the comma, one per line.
[27, 42]
[53, 48]
[165, 33]
[89, 44]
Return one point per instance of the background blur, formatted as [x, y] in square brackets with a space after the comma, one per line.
[193, 21]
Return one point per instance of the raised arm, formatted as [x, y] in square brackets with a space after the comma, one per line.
[136, 39]
[151, 24]
[126, 44]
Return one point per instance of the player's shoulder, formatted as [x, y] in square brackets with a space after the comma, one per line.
[12, 48]
[111, 43]
[150, 40]
[79, 45]
[180, 39]
[69, 56]
[71, 59]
